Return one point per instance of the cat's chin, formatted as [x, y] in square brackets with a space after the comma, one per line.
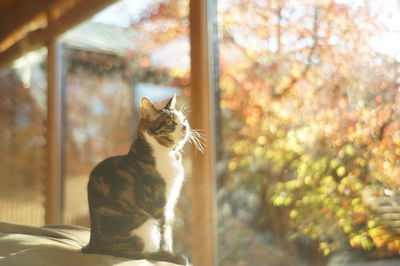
[179, 146]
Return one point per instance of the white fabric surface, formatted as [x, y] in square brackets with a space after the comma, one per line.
[22, 245]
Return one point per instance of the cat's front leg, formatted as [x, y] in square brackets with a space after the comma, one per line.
[166, 247]
[167, 238]
[165, 234]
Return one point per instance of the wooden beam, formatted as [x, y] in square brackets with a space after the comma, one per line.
[5, 4]
[204, 248]
[19, 13]
[53, 192]
[38, 38]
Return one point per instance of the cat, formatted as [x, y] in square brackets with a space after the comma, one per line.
[132, 197]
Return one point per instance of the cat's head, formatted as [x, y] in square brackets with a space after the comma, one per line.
[165, 128]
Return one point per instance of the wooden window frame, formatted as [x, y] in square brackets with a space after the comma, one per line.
[203, 185]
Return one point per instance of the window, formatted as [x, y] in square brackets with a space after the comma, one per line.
[22, 139]
[310, 130]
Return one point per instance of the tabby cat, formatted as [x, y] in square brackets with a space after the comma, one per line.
[132, 197]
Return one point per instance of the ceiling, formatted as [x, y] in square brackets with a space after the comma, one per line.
[29, 24]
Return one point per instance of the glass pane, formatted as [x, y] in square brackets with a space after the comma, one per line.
[310, 129]
[22, 139]
[129, 50]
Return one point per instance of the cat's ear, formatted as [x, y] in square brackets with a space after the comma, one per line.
[171, 103]
[147, 109]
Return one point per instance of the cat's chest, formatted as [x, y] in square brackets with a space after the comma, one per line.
[169, 166]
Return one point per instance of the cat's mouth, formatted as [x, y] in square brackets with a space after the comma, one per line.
[179, 139]
[172, 140]
[166, 139]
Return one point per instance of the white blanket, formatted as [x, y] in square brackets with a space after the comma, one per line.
[22, 245]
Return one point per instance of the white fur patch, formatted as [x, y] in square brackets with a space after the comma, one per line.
[169, 166]
[149, 232]
[180, 136]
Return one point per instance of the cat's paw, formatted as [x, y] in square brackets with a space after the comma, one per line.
[181, 260]
[170, 257]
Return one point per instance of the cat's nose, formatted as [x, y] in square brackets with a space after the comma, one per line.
[184, 128]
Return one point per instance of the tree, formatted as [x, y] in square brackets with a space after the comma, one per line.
[310, 111]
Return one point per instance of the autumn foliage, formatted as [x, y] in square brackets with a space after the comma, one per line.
[311, 119]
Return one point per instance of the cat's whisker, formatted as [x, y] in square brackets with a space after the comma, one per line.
[200, 131]
[198, 146]
[198, 134]
[197, 139]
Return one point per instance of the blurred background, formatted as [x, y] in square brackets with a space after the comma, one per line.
[307, 122]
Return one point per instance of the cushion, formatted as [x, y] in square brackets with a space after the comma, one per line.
[54, 246]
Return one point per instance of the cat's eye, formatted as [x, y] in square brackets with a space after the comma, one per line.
[170, 123]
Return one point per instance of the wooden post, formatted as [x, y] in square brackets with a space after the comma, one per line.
[53, 193]
[202, 105]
